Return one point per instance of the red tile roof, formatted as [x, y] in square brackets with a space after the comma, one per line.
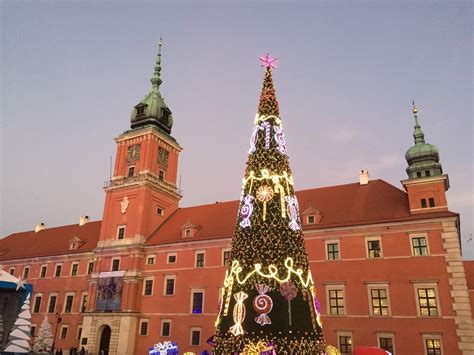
[343, 205]
[49, 241]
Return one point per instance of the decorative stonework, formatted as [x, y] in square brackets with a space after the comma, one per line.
[458, 284]
[124, 204]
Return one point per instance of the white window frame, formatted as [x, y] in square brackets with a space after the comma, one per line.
[147, 328]
[124, 226]
[416, 287]
[152, 279]
[112, 263]
[168, 258]
[187, 233]
[161, 330]
[344, 333]
[373, 238]
[63, 326]
[196, 259]
[41, 269]
[326, 252]
[419, 235]
[56, 268]
[387, 335]
[191, 335]
[72, 304]
[379, 286]
[88, 264]
[82, 301]
[49, 302]
[11, 271]
[26, 267]
[169, 277]
[193, 291]
[224, 250]
[77, 271]
[79, 334]
[41, 303]
[148, 259]
[33, 325]
[333, 288]
[432, 336]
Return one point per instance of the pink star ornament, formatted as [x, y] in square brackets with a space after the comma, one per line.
[268, 62]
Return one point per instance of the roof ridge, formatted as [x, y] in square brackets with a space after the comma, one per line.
[50, 228]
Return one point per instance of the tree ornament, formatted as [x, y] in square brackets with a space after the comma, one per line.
[253, 139]
[292, 209]
[246, 211]
[268, 62]
[280, 140]
[239, 313]
[264, 194]
[289, 291]
[262, 304]
[265, 126]
[278, 188]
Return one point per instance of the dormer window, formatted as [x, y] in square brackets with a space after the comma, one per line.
[310, 219]
[75, 243]
[187, 232]
[165, 113]
[311, 216]
[140, 110]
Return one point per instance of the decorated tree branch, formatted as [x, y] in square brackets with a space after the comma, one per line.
[269, 304]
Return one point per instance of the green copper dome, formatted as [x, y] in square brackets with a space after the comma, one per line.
[422, 158]
[152, 110]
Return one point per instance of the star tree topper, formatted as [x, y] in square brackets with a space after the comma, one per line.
[268, 62]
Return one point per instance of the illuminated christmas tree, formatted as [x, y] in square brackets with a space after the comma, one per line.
[269, 301]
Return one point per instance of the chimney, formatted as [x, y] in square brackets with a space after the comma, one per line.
[83, 220]
[39, 227]
[364, 177]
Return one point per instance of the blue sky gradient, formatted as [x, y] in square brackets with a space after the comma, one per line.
[73, 70]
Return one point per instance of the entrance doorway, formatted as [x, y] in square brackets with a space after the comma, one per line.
[105, 340]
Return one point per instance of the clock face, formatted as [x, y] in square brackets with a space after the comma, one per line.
[133, 153]
[163, 156]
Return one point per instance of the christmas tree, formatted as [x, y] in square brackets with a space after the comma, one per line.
[269, 301]
[44, 339]
[19, 338]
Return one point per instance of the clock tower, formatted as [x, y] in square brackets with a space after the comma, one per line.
[140, 196]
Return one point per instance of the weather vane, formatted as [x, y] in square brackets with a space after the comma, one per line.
[268, 62]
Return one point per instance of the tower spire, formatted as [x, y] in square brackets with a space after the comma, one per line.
[156, 80]
[418, 133]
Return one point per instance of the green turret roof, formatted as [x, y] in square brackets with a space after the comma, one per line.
[422, 158]
[152, 110]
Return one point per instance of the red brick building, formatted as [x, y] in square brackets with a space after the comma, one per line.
[386, 261]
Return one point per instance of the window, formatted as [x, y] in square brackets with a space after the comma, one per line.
[68, 303]
[198, 298]
[345, 344]
[74, 267]
[144, 327]
[57, 272]
[161, 175]
[26, 272]
[427, 173]
[52, 303]
[150, 260]
[427, 303]
[165, 328]
[419, 245]
[37, 305]
[64, 329]
[431, 202]
[44, 268]
[140, 110]
[336, 301]
[187, 232]
[225, 257]
[160, 211]
[148, 287]
[79, 332]
[332, 250]
[120, 232]
[90, 267]
[169, 285]
[115, 264]
[379, 301]
[374, 248]
[171, 258]
[85, 300]
[199, 259]
[423, 203]
[33, 330]
[196, 336]
[131, 171]
[418, 174]
[433, 345]
[385, 342]
[11, 271]
[310, 219]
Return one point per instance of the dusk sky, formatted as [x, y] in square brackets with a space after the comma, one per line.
[347, 73]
